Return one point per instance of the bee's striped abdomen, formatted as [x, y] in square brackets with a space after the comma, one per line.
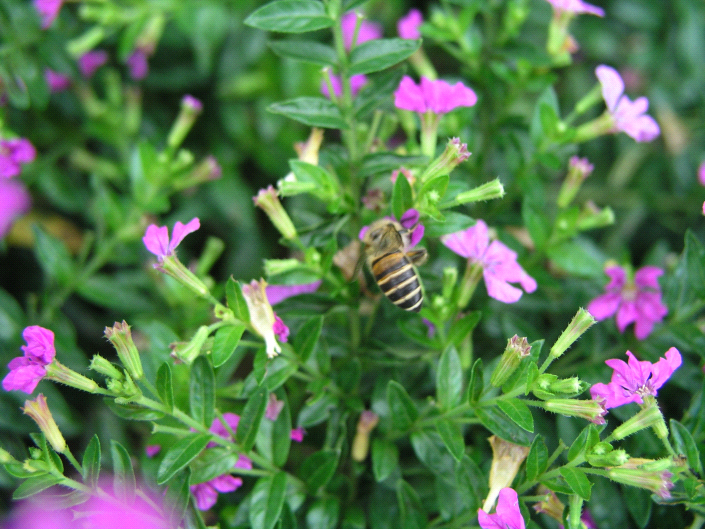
[397, 278]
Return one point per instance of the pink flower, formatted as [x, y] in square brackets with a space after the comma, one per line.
[114, 513]
[152, 450]
[26, 371]
[89, 62]
[629, 116]
[499, 263]
[156, 238]
[48, 10]
[577, 7]
[15, 201]
[206, 494]
[297, 434]
[14, 153]
[507, 515]
[634, 380]
[701, 173]
[137, 63]
[408, 26]
[274, 407]
[637, 301]
[193, 103]
[58, 82]
[280, 329]
[582, 166]
[278, 293]
[410, 221]
[219, 429]
[356, 83]
[437, 96]
[368, 30]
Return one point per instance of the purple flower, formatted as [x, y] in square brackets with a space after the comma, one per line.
[274, 407]
[701, 173]
[507, 515]
[156, 238]
[637, 301]
[26, 371]
[577, 7]
[15, 201]
[114, 513]
[408, 25]
[437, 96]
[193, 103]
[89, 62]
[499, 263]
[14, 153]
[410, 221]
[137, 63]
[356, 83]
[634, 380]
[629, 116]
[58, 82]
[280, 329]
[297, 434]
[48, 10]
[152, 450]
[206, 493]
[368, 30]
[278, 293]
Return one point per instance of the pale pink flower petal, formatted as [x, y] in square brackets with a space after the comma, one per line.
[226, 483]
[368, 30]
[408, 96]
[89, 62]
[612, 85]
[156, 239]
[48, 10]
[701, 173]
[15, 200]
[57, 82]
[507, 515]
[408, 25]
[576, 6]
[278, 293]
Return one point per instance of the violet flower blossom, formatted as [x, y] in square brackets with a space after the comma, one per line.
[89, 62]
[629, 116]
[576, 7]
[498, 262]
[26, 371]
[15, 202]
[436, 96]
[356, 83]
[634, 380]
[410, 221]
[278, 293]
[13, 154]
[297, 434]
[368, 30]
[157, 241]
[637, 301]
[408, 25]
[507, 514]
[137, 64]
[58, 82]
[701, 173]
[48, 10]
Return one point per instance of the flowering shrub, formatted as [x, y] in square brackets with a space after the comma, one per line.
[195, 313]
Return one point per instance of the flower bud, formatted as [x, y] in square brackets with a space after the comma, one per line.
[105, 367]
[454, 153]
[602, 455]
[361, 442]
[189, 351]
[550, 506]
[39, 411]
[591, 410]
[592, 217]
[487, 191]
[568, 386]
[648, 417]
[506, 459]
[190, 109]
[580, 323]
[659, 482]
[60, 373]
[121, 338]
[268, 200]
[578, 170]
[129, 391]
[517, 348]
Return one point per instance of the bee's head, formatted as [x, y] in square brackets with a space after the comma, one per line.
[378, 230]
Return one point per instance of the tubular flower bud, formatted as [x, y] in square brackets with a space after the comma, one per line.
[517, 348]
[268, 200]
[105, 367]
[60, 373]
[506, 459]
[192, 349]
[38, 410]
[648, 417]
[603, 455]
[487, 191]
[261, 315]
[580, 323]
[121, 338]
[660, 482]
[550, 506]
[190, 109]
[578, 170]
[591, 410]
[454, 154]
[361, 443]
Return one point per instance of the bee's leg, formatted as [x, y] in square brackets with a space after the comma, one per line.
[417, 257]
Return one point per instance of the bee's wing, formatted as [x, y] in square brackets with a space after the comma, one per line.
[418, 256]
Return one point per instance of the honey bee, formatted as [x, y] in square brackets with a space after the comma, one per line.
[392, 266]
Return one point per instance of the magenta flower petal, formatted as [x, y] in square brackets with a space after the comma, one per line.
[48, 10]
[410, 218]
[462, 96]
[243, 462]
[40, 344]
[182, 230]
[612, 85]
[647, 277]
[604, 306]
[297, 434]
[408, 96]
[23, 378]
[278, 293]
[156, 239]
[280, 329]
[368, 30]
[701, 173]
[507, 515]
[205, 496]
[15, 201]
[152, 450]
[471, 243]
[226, 483]
[664, 368]
[57, 82]
[577, 7]
[137, 64]
[408, 25]
[626, 314]
[89, 62]
[416, 235]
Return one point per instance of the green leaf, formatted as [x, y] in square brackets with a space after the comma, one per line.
[236, 300]
[685, 444]
[225, 342]
[537, 459]
[580, 257]
[324, 187]
[35, 485]
[411, 509]
[212, 463]
[452, 437]
[578, 481]
[318, 468]
[379, 54]
[463, 327]
[274, 437]
[124, 477]
[580, 445]
[178, 495]
[290, 16]
[202, 391]
[402, 198]
[376, 94]
[452, 223]
[181, 454]
[518, 412]
[449, 379]
[132, 412]
[266, 500]
[324, 513]
[305, 50]
[402, 409]
[251, 418]
[499, 424]
[311, 111]
[53, 256]
[165, 385]
[385, 162]
[432, 452]
[476, 383]
[91, 462]
[385, 458]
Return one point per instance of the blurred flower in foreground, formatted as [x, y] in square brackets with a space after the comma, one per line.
[48, 10]
[507, 515]
[408, 25]
[367, 31]
[576, 7]
[578, 170]
[439, 97]
[627, 116]
[58, 82]
[15, 202]
[89, 62]
[14, 153]
[278, 293]
[633, 381]
[496, 261]
[26, 371]
[634, 301]
[356, 83]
